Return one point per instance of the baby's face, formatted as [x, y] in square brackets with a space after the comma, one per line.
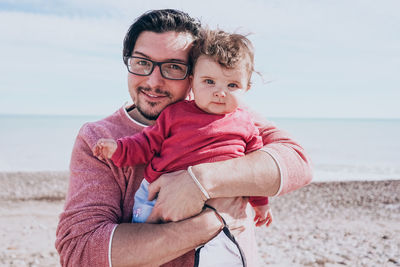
[218, 90]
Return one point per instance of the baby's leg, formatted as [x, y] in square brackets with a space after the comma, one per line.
[142, 207]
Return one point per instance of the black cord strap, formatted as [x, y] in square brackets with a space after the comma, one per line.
[228, 233]
[206, 206]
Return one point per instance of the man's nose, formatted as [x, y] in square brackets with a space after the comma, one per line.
[155, 79]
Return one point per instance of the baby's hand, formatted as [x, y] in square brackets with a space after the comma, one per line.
[105, 148]
[263, 215]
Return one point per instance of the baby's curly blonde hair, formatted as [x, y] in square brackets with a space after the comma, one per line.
[228, 49]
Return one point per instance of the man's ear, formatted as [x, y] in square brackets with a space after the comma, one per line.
[190, 95]
[191, 80]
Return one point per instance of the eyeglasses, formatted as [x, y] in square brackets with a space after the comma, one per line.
[169, 70]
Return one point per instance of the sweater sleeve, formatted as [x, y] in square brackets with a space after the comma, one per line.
[89, 218]
[141, 147]
[254, 141]
[258, 201]
[293, 163]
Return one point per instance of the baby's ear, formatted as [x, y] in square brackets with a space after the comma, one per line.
[248, 87]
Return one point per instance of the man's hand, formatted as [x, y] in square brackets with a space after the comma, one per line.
[233, 210]
[178, 197]
[104, 148]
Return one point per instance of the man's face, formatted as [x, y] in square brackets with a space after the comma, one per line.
[151, 94]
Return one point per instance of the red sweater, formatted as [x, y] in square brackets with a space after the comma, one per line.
[185, 135]
[100, 195]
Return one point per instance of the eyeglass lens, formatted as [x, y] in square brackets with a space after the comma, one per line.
[169, 70]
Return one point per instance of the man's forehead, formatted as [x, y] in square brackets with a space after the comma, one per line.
[163, 46]
[181, 40]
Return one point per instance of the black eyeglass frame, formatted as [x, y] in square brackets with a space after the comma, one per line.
[159, 64]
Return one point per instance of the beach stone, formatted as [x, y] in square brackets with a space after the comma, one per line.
[346, 222]
[323, 224]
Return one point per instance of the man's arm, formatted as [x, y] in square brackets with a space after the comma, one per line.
[93, 209]
[279, 167]
[255, 174]
[142, 244]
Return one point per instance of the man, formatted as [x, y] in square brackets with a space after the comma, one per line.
[94, 229]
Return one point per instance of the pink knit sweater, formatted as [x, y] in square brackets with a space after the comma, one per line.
[100, 195]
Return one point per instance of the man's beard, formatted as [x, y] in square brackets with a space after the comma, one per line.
[148, 115]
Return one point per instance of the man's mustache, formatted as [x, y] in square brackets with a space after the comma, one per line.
[157, 91]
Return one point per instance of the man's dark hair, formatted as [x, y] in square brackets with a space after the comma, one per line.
[159, 21]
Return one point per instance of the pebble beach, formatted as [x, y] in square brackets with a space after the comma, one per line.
[324, 224]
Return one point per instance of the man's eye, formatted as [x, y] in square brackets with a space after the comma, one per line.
[209, 81]
[175, 67]
[143, 63]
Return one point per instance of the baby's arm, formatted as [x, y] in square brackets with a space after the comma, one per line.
[105, 148]
[263, 215]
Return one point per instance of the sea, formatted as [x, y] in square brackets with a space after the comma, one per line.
[340, 149]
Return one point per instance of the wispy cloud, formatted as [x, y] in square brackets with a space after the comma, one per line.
[65, 56]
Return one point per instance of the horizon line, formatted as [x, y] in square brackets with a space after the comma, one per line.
[269, 117]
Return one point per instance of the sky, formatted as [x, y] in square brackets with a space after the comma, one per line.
[324, 59]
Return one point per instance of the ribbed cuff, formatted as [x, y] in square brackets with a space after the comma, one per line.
[281, 173]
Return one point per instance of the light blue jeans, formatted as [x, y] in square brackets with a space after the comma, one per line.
[142, 207]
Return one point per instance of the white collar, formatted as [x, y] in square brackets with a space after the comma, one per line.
[127, 104]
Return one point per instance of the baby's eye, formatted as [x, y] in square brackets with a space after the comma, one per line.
[209, 81]
[233, 86]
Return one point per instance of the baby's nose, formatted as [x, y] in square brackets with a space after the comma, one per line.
[220, 93]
